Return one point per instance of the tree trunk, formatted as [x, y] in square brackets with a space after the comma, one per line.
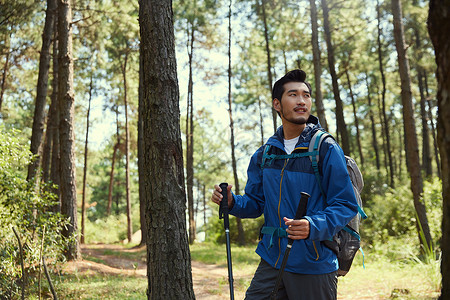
[318, 99]
[261, 121]
[358, 135]
[241, 234]
[127, 145]
[269, 59]
[426, 150]
[55, 169]
[433, 134]
[46, 151]
[438, 27]
[83, 202]
[383, 101]
[5, 71]
[190, 137]
[41, 91]
[412, 146]
[67, 136]
[48, 156]
[433, 129]
[341, 126]
[111, 179]
[113, 163]
[168, 256]
[372, 125]
[141, 163]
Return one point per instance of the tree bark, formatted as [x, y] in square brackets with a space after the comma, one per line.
[41, 91]
[53, 123]
[168, 256]
[141, 163]
[51, 134]
[318, 99]
[412, 146]
[66, 125]
[341, 125]
[438, 27]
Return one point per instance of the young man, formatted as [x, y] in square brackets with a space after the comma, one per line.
[274, 190]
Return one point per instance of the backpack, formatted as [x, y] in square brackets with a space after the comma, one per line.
[346, 242]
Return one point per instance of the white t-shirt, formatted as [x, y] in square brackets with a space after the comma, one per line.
[289, 145]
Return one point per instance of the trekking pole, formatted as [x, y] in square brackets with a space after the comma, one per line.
[223, 214]
[301, 212]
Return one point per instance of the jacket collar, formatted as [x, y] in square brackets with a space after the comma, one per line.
[312, 125]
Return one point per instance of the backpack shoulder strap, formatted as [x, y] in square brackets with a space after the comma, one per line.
[268, 158]
[314, 151]
[265, 155]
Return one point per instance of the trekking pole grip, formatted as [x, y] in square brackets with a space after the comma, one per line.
[301, 209]
[224, 187]
[301, 212]
[223, 210]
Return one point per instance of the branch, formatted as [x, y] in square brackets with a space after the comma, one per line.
[21, 263]
[55, 297]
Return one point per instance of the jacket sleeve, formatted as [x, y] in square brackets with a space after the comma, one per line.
[251, 204]
[340, 197]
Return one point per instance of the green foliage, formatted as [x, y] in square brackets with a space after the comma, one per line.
[392, 214]
[216, 233]
[213, 253]
[29, 211]
[100, 286]
[108, 230]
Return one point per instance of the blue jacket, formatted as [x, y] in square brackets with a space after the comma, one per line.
[275, 192]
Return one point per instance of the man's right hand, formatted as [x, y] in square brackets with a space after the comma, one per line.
[217, 196]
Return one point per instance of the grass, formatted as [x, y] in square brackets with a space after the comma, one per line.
[211, 253]
[73, 286]
[382, 278]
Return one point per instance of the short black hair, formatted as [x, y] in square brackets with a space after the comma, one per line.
[291, 76]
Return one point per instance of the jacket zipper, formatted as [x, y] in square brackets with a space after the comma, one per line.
[279, 204]
[279, 217]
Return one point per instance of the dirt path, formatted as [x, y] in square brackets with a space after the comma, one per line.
[210, 281]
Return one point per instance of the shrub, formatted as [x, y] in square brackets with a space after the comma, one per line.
[27, 209]
[392, 217]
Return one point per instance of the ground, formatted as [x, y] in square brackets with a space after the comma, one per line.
[211, 281]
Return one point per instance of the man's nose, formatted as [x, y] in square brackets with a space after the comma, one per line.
[301, 100]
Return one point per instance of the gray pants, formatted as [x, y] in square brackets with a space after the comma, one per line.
[293, 286]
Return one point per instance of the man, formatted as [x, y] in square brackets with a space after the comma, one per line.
[274, 188]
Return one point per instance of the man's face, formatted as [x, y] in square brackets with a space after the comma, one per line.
[295, 104]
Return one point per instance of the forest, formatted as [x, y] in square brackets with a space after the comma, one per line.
[117, 118]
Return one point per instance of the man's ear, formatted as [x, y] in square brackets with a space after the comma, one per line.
[276, 104]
